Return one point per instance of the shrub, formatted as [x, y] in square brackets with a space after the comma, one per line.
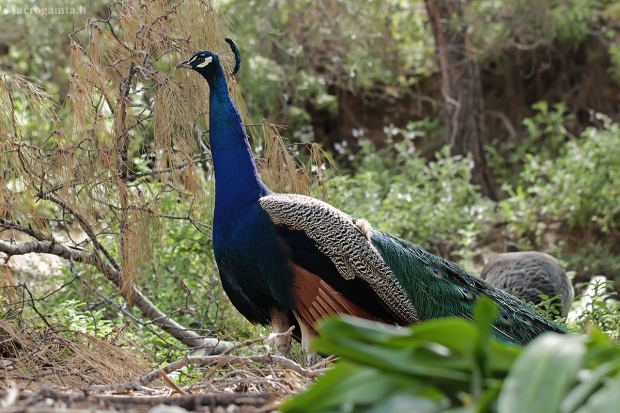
[579, 187]
[431, 203]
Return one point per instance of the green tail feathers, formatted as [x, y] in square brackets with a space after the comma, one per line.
[440, 288]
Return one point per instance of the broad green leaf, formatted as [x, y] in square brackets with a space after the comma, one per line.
[456, 334]
[487, 399]
[359, 329]
[346, 386]
[542, 375]
[442, 331]
[606, 400]
[405, 403]
[403, 361]
[581, 392]
[485, 313]
[502, 357]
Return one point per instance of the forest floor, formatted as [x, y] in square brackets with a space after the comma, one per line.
[50, 371]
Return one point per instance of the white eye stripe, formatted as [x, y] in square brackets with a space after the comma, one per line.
[192, 59]
[206, 62]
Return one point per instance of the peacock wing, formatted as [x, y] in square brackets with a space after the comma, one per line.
[333, 256]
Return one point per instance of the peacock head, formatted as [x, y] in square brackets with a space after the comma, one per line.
[205, 63]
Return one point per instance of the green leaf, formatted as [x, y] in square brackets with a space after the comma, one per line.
[359, 329]
[427, 362]
[581, 392]
[455, 334]
[542, 375]
[406, 403]
[605, 400]
[347, 386]
[487, 399]
[485, 313]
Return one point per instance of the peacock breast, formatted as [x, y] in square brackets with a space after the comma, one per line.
[252, 260]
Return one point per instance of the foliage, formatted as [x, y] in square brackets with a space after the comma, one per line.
[453, 365]
[431, 203]
[33, 50]
[92, 322]
[579, 186]
[526, 24]
[546, 135]
[563, 188]
[594, 258]
[304, 50]
[598, 306]
[308, 54]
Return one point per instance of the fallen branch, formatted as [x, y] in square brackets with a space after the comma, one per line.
[208, 360]
[133, 295]
[190, 403]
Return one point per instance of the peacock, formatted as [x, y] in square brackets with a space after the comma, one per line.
[292, 260]
[527, 275]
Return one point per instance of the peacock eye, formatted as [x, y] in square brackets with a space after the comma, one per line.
[436, 273]
[467, 293]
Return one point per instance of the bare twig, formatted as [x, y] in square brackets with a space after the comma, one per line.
[34, 307]
[191, 403]
[170, 383]
[85, 227]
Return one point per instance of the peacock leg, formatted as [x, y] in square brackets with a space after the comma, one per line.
[308, 334]
[281, 323]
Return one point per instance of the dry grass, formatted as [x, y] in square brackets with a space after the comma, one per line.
[72, 360]
[50, 370]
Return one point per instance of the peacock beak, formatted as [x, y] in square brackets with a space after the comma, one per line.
[184, 65]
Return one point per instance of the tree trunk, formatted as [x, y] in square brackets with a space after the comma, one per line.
[463, 116]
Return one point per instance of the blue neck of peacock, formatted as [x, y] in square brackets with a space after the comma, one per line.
[237, 182]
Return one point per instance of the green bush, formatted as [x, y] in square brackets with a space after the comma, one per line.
[431, 203]
[581, 186]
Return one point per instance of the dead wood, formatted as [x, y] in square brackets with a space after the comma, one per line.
[208, 360]
[30, 400]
